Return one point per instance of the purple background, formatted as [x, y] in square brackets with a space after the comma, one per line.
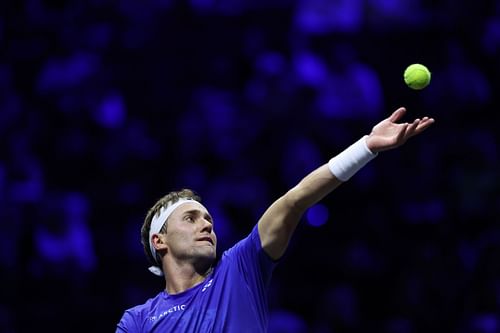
[105, 106]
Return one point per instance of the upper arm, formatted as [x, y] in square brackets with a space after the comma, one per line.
[276, 227]
[279, 221]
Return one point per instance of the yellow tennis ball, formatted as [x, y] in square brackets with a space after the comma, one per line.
[417, 76]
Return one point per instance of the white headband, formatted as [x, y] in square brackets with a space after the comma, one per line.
[157, 224]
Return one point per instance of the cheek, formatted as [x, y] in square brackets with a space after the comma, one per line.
[177, 239]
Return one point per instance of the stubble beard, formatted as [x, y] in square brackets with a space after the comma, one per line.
[204, 259]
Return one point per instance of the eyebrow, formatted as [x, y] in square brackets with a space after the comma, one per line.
[199, 212]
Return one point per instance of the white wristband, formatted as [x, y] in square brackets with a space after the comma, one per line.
[351, 160]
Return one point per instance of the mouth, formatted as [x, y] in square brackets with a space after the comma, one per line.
[208, 239]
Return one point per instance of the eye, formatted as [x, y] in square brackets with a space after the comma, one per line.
[189, 218]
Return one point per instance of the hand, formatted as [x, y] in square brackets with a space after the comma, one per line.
[388, 134]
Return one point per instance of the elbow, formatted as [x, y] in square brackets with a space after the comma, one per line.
[296, 200]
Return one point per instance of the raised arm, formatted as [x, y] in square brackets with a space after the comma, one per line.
[278, 223]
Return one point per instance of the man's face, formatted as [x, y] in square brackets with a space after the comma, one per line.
[190, 235]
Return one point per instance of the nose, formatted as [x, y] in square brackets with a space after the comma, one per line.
[207, 226]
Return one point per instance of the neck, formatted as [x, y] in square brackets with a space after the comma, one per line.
[179, 278]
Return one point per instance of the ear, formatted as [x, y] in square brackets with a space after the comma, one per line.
[159, 242]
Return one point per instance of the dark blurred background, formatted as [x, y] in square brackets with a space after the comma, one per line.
[105, 106]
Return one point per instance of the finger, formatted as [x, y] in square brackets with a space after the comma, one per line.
[424, 125]
[410, 130]
[398, 114]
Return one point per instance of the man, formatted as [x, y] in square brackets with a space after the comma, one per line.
[231, 296]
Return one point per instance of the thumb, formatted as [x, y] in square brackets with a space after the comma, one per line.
[398, 114]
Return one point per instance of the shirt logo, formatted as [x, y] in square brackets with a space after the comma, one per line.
[173, 309]
[209, 283]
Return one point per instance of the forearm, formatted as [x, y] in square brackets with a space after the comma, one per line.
[326, 178]
[280, 220]
[311, 189]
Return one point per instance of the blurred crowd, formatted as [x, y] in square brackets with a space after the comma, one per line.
[105, 106]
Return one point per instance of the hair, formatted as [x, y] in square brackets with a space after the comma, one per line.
[168, 199]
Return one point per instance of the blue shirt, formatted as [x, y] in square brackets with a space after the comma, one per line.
[233, 298]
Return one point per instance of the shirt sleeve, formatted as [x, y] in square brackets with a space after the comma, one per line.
[253, 262]
[127, 324]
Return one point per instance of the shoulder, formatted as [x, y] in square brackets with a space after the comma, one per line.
[136, 315]
[145, 307]
[248, 251]
[250, 243]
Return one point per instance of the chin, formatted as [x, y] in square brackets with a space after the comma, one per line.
[207, 253]
[205, 261]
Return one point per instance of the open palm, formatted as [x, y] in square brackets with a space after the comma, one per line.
[389, 134]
